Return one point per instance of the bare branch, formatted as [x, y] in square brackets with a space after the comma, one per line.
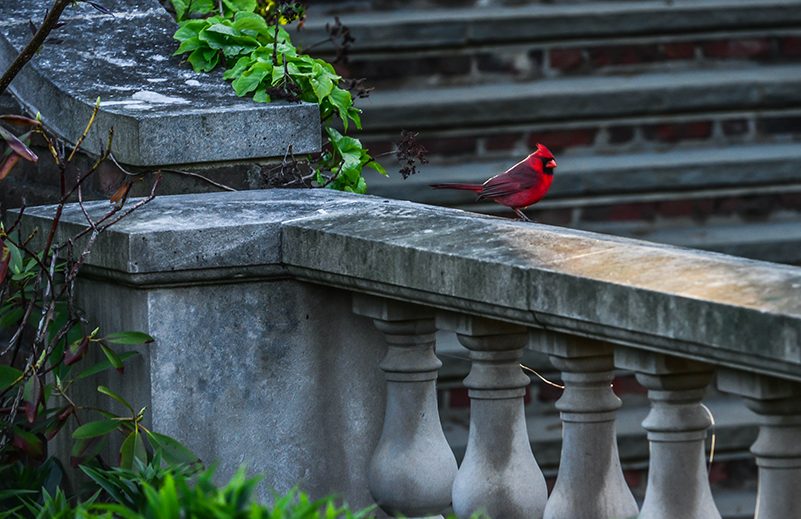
[36, 42]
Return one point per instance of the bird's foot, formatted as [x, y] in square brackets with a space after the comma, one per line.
[522, 216]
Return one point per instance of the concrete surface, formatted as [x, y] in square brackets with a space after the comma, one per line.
[161, 111]
[727, 310]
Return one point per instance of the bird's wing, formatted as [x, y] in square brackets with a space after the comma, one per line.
[517, 178]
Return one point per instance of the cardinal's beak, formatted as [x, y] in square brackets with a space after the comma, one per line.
[551, 164]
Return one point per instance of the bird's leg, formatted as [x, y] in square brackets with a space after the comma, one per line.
[522, 215]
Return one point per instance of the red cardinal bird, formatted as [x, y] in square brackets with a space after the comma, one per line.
[518, 187]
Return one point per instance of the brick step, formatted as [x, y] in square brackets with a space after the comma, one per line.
[412, 28]
[424, 68]
[621, 135]
[415, 48]
[584, 98]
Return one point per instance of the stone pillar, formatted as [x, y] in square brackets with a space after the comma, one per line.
[678, 483]
[499, 474]
[589, 465]
[777, 449]
[412, 469]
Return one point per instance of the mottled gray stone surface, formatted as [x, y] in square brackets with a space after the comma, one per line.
[161, 111]
[277, 376]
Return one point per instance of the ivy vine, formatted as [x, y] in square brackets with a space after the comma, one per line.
[248, 38]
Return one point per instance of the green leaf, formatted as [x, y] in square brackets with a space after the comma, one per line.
[202, 61]
[108, 392]
[322, 86]
[188, 45]
[171, 449]
[342, 101]
[94, 429]
[377, 167]
[261, 96]
[112, 357]
[132, 448]
[201, 7]
[8, 376]
[361, 186]
[239, 67]
[128, 338]
[180, 8]
[252, 24]
[189, 29]
[241, 5]
[11, 317]
[251, 78]
[15, 263]
[104, 365]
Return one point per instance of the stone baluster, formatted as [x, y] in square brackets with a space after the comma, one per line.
[677, 425]
[412, 469]
[589, 465]
[777, 448]
[499, 474]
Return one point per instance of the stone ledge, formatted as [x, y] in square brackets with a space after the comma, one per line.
[162, 112]
[721, 309]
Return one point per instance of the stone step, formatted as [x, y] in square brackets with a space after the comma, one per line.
[584, 98]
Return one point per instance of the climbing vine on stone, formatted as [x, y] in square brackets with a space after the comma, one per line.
[248, 38]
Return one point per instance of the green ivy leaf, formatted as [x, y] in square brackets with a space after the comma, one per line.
[239, 67]
[322, 86]
[189, 29]
[202, 7]
[251, 78]
[261, 96]
[373, 164]
[241, 5]
[180, 7]
[254, 25]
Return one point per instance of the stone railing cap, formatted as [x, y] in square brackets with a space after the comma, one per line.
[708, 306]
[161, 111]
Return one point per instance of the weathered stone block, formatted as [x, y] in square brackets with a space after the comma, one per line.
[161, 111]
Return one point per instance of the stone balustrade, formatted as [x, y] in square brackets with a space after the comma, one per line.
[272, 311]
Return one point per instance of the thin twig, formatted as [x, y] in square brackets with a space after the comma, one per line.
[198, 176]
[22, 59]
[85, 131]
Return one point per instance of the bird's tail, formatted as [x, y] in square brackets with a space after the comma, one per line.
[476, 188]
